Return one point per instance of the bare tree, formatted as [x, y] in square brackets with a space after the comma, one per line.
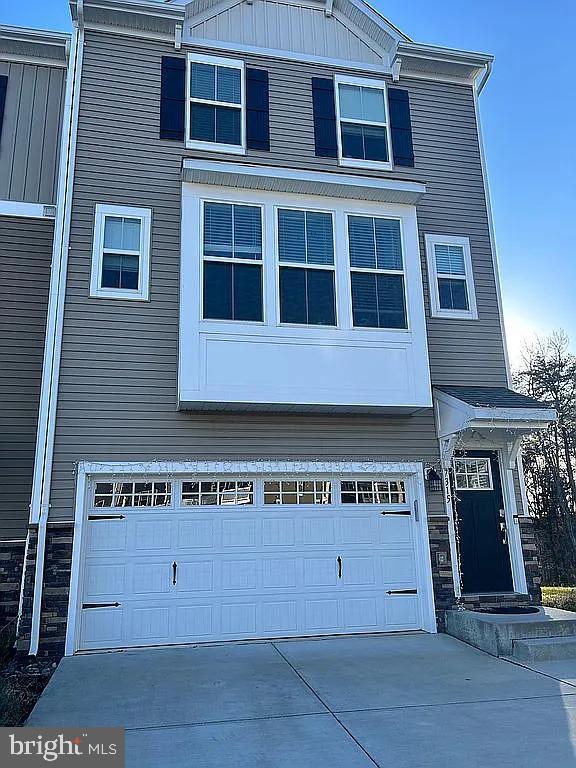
[548, 373]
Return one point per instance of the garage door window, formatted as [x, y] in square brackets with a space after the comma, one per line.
[373, 492]
[133, 494]
[298, 492]
[213, 493]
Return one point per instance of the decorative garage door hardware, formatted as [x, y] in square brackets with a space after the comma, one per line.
[101, 605]
[106, 517]
[402, 592]
[339, 560]
[174, 570]
[405, 512]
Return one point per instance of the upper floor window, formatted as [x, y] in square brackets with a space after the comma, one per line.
[215, 104]
[306, 272]
[231, 239]
[363, 123]
[452, 292]
[377, 272]
[121, 252]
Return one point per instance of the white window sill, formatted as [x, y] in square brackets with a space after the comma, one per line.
[113, 293]
[351, 162]
[207, 146]
[447, 314]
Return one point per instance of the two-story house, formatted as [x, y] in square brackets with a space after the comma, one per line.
[32, 84]
[277, 397]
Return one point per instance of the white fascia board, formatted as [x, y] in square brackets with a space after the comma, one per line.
[27, 210]
[275, 179]
[256, 467]
[542, 415]
[448, 55]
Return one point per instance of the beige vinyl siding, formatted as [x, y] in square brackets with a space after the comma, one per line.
[30, 138]
[25, 255]
[118, 394]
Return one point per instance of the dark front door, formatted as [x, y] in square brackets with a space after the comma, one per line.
[481, 526]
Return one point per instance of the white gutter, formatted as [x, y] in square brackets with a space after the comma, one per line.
[40, 503]
[485, 78]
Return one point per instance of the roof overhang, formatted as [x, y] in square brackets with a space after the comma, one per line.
[273, 179]
[34, 46]
[148, 16]
[431, 61]
[458, 420]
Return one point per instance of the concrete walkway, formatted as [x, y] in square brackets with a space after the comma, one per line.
[407, 701]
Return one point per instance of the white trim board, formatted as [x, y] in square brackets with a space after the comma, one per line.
[412, 471]
[27, 210]
[277, 179]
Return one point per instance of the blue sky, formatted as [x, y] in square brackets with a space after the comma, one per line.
[528, 114]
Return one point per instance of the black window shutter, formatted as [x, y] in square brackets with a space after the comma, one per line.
[257, 110]
[172, 98]
[401, 127]
[3, 89]
[324, 117]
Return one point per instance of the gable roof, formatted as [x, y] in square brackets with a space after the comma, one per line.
[492, 397]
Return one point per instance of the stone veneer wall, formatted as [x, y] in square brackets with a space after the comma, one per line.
[11, 563]
[58, 562]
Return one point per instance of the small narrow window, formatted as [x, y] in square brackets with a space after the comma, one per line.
[373, 492]
[377, 273]
[452, 291]
[363, 125]
[215, 104]
[297, 492]
[306, 256]
[232, 256]
[133, 494]
[121, 252]
[473, 475]
[211, 493]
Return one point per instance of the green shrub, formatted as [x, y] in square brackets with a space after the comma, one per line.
[559, 597]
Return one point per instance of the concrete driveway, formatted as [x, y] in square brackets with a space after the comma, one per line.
[407, 701]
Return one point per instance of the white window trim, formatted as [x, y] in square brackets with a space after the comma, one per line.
[435, 308]
[352, 162]
[231, 260]
[377, 271]
[211, 146]
[145, 216]
[325, 267]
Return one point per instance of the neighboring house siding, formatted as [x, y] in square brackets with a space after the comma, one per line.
[25, 255]
[117, 396]
[31, 132]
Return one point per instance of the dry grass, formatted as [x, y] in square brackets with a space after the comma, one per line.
[21, 683]
[559, 597]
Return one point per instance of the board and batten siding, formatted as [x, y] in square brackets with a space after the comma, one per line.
[25, 256]
[117, 397]
[30, 140]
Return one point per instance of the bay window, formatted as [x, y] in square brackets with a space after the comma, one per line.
[377, 273]
[306, 267]
[232, 261]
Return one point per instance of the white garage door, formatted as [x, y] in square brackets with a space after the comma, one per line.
[199, 560]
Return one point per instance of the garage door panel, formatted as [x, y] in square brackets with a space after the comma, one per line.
[322, 615]
[359, 571]
[280, 573]
[318, 531]
[153, 534]
[104, 579]
[320, 572]
[106, 536]
[278, 532]
[151, 578]
[363, 613]
[240, 574]
[395, 530]
[239, 619]
[195, 577]
[239, 534]
[280, 617]
[102, 627]
[195, 622]
[402, 612]
[150, 624]
[358, 529]
[399, 568]
[198, 533]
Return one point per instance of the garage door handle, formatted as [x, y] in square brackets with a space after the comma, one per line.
[402, 592]
[339, 561]
[174, 569]
[405, 512]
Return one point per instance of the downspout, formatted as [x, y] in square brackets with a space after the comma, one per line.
[40, 504]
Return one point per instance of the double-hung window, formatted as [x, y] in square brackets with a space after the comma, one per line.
[306, 271]
[452, 292]
[232, 260]
[215, 109]
[121, 252]
[377, 272]
[363, 123]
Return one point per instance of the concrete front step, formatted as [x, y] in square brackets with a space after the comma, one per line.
[497, 633]
[544, 649]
